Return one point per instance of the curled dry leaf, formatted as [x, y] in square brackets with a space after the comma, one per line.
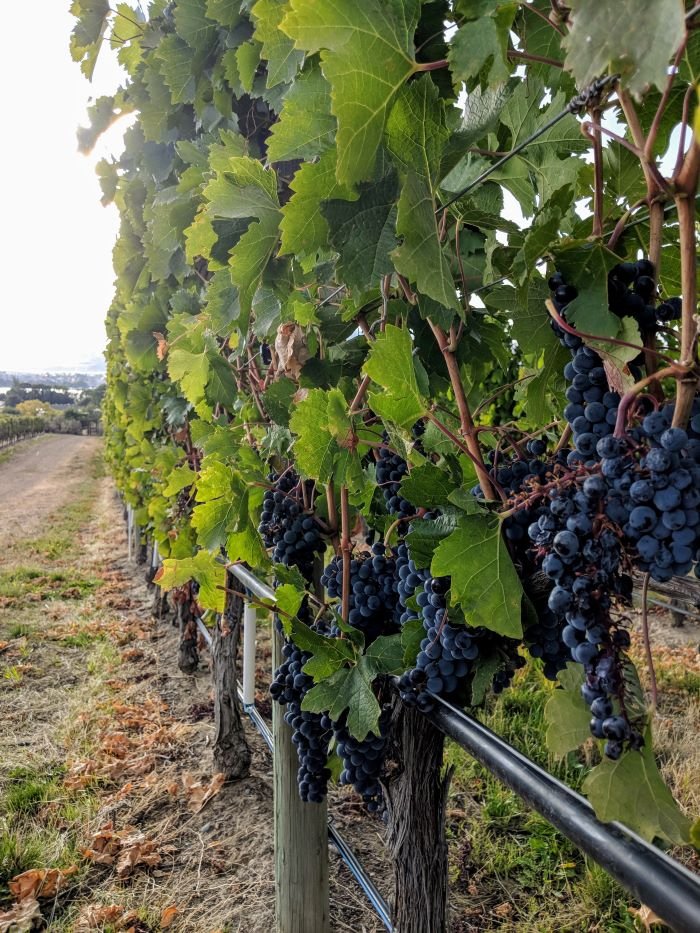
[167, 917]
[97, 916]
[292, 350]
[647, 918]
[136, 850]
[161, 345]
[199, 794]
[40, 882]
[22, 918]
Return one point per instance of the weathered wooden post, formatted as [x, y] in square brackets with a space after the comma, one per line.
[301, 836]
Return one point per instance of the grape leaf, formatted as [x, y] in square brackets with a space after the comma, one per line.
[362, 231]
[303, 228]
[178, 479]
[87, 34]
[283, 60]
[367, 54]
[479, 49]
[348, 689]
[633, 791]
[416, 135]
[484, 581]
[205, 569]
[427, 486]
[192, 25]
[175, 58]
[306, 127]
[585, 265]
[390, 364]
[624, 37]
[567, 716]
[225, 12]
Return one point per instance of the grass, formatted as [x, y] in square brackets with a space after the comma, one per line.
[19, 585]
[510, 870]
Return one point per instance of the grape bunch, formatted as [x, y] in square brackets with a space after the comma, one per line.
[312, 731]
[581, 552]
[373, 590]
[363, 760]
[656, 487]
[390, 470]
[286, 527]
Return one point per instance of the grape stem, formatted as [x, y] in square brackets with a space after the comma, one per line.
[493, 486]
[346, 550]
[466, 423]
[614, 340]
[677, 370]
[647, 645]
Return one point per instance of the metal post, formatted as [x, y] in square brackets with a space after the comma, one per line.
[249, 620]
[129, 523]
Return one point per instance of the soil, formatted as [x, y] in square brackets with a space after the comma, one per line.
[38, 478]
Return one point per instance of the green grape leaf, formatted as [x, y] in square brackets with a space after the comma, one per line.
[178, 479]
[221, 384]
[366, 56]
[303, 228]
[283, 60]
[175, 58]
[155, 107]
[348, 689]
[633, 791]
[585, 265]
[479, 49]
[412, 634]
[390, 364]
[191, 370]
[88, 32]
[205, 569]
[416, 135]
[306, 127]
[427, 486]
[224, 12]
[484, 581]
[425, 536]
[362, 232]
[386, 654]
[486, 668]
[324, 438]
[247, 62]
[626, 37]
[566, 714]
[192, 25]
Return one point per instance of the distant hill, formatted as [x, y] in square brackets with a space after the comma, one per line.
[83, 380]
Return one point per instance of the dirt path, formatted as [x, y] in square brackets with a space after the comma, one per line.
[37, 479]
[105, 745]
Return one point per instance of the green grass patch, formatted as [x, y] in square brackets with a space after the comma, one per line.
[503, 853]
[23, 584]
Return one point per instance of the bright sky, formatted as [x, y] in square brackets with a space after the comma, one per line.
[56, 238]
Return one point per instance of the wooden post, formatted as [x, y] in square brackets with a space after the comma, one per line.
[301, 836]
[231, 751]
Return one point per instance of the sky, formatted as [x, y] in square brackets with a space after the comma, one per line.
[55, 237]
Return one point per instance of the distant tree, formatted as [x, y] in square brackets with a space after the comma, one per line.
[34, 408]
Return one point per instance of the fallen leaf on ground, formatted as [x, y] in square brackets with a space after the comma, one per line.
[168, 915]
[22, 918]
[647, 917]
[137, 850]
[97, 916]
[39, 882]
[199, 794]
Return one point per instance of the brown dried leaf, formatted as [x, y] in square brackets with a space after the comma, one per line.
[97, 916]
[168, 915]
[161, 345]
[292, 349]
[39, 882]
[22, 918]
[647, 917]
[199, 794]
[136, 850]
